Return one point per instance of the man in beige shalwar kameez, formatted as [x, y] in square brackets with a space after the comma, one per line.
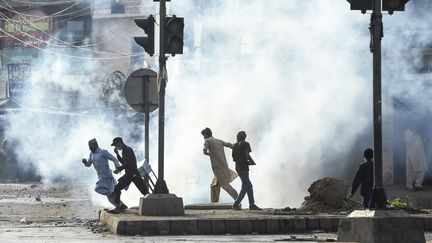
[416, 164]
[223, 175]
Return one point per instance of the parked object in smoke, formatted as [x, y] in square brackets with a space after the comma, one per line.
[14, 167]
[416, 164]
[329, 191]
[148, 174]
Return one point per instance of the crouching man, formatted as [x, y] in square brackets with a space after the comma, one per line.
[106, 182]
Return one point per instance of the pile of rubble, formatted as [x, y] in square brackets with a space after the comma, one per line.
[95, 226]
[329, 195]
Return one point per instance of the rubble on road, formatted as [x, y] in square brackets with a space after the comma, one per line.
[328, 195]
[46, 204]
[95, 226]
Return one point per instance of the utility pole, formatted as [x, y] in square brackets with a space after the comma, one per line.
[379, 199]
[376, 28]
[379, 224]
[161, 187]
[146, 81]
[161, 202]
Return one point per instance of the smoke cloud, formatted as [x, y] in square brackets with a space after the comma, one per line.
[295, 75]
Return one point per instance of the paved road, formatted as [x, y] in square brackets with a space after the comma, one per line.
[66, 234]
[66, 215]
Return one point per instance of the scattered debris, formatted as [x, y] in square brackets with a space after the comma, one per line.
[95, 226]
[23, 221]
[406, 204]
[328, 195]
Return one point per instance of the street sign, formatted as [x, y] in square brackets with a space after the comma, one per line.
[141, 90]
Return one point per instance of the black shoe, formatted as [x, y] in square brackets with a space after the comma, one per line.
[418, 188]
[236, 207]
[123, 208]
[115, 210]
[254, 207]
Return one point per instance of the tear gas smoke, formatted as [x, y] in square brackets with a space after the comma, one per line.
[295, 75]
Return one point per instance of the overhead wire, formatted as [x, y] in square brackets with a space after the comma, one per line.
[57, 14]
[89, 45]
[124, 20]
[69, 56]
[55, 38]
[39, 17]
[99, 51]
[43, 2]
[11, 9]
[61, 46]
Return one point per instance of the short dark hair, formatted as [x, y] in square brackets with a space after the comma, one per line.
[206, 131]
[368, 153]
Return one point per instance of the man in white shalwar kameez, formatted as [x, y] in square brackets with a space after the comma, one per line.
[223, 175]
[416, 164]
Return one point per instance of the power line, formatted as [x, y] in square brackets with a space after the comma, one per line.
[94, 44]
[9, 20]
[43, 2]
[70, 56]
[69, 44]
[54, 14]
[57, 14]
[57, 39]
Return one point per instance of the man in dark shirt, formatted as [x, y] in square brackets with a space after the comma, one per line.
[242, 158]
[364, 177]
[129, 164]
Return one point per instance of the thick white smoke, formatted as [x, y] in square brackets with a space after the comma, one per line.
[295, 75]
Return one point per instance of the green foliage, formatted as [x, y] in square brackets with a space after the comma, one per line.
[406, 204]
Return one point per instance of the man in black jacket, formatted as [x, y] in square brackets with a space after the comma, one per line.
[242, 158]
[365, 177]
[129, 164]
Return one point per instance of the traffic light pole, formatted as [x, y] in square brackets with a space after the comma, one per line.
[376, 27]
[394, 225]
[146, 119]
[161, 187]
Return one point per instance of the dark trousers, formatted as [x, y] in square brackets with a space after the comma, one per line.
[246, 188]
[367, 200]
[124, 182]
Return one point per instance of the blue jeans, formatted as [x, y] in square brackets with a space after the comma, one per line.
[245, 188]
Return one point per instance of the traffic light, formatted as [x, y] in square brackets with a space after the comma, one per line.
[174, 35]
[361, 5]
[394, 5]
[146, 42]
